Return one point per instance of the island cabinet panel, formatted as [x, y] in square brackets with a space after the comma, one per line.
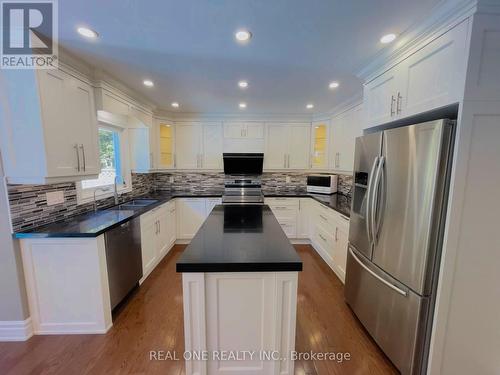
[67, 285]
[250, 312]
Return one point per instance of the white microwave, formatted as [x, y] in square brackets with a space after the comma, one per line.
[322, 183]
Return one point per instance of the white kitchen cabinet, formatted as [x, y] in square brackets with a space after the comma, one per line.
[157, 236]
[140, 155]
[434, 75]
[191, 213]
[198, 146]
[286, 211]
[164, 142]
[303, 218]
[287, 146]
[343, 132]
[237, 130]
[339, 255]
[149, 231]
[430, 78]
[56, 121]
[187, 144]
[212, 146]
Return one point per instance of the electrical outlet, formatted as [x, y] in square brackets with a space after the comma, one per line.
[54, 197]
[288, 179]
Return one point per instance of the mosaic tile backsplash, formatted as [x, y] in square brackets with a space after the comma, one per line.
[29, 209]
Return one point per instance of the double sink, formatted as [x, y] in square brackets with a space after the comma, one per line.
[135, 204]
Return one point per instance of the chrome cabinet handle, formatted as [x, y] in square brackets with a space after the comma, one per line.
[385, 282]
[280, 208]
[398, 103]
[392, 105]
[288, 160]
[324, 218]
[151, 160]
[83, 157]
[336, 234]
[284, 161]
[175, 160]
[323, 238]
[368, 199]
[77, 157]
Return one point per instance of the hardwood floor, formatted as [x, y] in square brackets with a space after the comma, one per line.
[152, 320]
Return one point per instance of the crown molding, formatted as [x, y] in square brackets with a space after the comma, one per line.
[346, 105]
[442, 18]
[269, 117]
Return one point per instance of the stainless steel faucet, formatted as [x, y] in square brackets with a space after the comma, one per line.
[116, 190]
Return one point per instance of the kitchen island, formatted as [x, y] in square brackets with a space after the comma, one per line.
[239, 277]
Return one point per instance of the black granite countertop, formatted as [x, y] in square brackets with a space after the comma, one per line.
[240, 238]
[93, 224]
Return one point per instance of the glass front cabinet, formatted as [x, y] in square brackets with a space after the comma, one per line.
[166, 146]
[319, 144]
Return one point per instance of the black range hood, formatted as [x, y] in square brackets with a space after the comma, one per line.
[243, 164]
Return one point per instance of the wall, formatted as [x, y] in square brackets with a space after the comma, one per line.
[29, 208]
[28, 204]
[14, 305]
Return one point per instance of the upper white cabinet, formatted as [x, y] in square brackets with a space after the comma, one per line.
[51, 134]
[236, 130]
[287, 146]
[343, 132]
[164, 141]
[430, 78]
[198, 145]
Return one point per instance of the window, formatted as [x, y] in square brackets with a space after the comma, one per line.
[112, 158]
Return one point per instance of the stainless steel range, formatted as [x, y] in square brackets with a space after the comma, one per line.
[242, 184]
[243, 190]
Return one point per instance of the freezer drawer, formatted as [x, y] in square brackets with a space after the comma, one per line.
[393, 315]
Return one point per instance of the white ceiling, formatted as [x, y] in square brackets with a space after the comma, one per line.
[188, 49]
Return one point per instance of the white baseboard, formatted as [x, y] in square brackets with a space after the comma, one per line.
[16, 330]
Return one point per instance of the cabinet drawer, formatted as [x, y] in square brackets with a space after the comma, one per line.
[289, 227]
[285, 202]
[325, 240]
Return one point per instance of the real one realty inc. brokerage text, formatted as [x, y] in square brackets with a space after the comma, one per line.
[246, 355]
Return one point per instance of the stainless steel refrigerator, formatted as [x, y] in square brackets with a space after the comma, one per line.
[397, 219]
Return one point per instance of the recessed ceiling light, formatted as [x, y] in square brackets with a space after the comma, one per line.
[243, 35]
[333, 85]
[175, 104]
[243, 105]
[310, 106]
[388, 38]
[148, 83]
[87, 33]
[243, 84]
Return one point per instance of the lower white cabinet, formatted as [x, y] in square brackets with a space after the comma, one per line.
[157, 236]
[191, 212]
[211, 203]
[286, 211]
[303, 218]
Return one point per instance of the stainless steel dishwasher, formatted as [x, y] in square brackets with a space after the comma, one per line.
[124, 259]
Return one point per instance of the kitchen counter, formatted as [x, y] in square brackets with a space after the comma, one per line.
[93, 224]
[240, 238]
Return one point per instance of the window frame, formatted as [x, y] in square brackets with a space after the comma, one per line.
[87, 195]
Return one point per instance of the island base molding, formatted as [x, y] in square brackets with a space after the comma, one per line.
[251, 315]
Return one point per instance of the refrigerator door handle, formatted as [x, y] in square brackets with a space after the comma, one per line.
[374, 215]
[385, 282]
[378, 215]
[368, 200]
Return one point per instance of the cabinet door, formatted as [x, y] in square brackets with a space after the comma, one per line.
[187, 145]
[319, 145]
[212, 146]
[434, 74]
[254, 130]
[298, 146]
[211, 203]
[171, 224]
[149, 230]
[340, 252]
[234, 129]
[140, 156]
[380, 96]
[276, 147]
[351, 128]
[162, 239]
[166, 149]
[82, 123]
[191, 214]
[336, 140]
[61, 146]
[304, 218]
